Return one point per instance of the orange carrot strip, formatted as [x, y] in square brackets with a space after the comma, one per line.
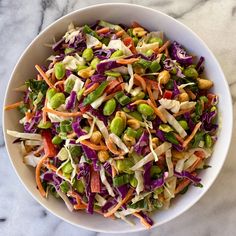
[91, 89]
[53, 168]
[149, 90]
[191, 94]
[194, 166]
[157, 111]
[103, 30]
[127, 61]
[179, 138]
[191, 136]
[72, 135]
[119, 33]
[123, 201]
[59, 82]
[28, 115]
[87, 82]
[40, 149]
[95, 181]
[165, 45]
[63, 114]
[44, 112]
[93, 146]
[108, 97]
[113, 171]
[13, 106]
[44, 76]
[37, 175]
[112, 84]
[80, 206]
[112, 148]
[135, 24]
[142, 220]
[139, 102]
[141, 81]
[184, 183]
[166, 52]
[153, 84]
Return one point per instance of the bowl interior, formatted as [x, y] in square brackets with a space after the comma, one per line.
[36, 53]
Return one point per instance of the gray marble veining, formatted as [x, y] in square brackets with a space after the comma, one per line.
[213, 20]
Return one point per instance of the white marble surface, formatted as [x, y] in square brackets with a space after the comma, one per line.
[213, 21]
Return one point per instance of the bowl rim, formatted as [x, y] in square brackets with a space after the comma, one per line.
[229, 120]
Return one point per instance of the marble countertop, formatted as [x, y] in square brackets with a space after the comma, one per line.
[213, 20]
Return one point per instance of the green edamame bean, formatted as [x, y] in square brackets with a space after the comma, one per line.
[208, 141]
[136, 115]
[152, 117]
[44, 125]
[133, 182]
[81, 67]
[190, 72]
[57, 100]
[56, 140]
[64, 186]
[155, 170]
[131, 132]
[117, 126]
[69, 85]
[79, 186]
[109, 107]
[123, 165]
[155, 66]
[59, 70]
[156, 40]
[140, 95]
[204, 98]
[50, 93]
[184, 124]
[117, 53]
[145, 109]
[94, 63]
[67, 168]
[88, 54]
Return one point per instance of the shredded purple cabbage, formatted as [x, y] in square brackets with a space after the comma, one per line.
[107, 65]
[186, 174]
[103, 53]
[71, 101]
[142, 143]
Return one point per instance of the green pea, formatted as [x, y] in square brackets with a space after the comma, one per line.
[88, 54]
[64, 186]
[136, 115]
[184, 124]
[155, 66]
[109, 107]
[44, 125]
[94, 63]
[79, 186]
[145, 109]
[50, 93]
[156, 40]
[131, 132]
[190, 72]
[123, 165]
[117, 126]
[81, 67]
[67, 168]
[57, 100]
[155, 171]
[56, 140]
[140, 95]
[134, 182]
[208, 141]
[135, 40]
[59, 70]
[112, 73]
[149, 52]
[117, 53]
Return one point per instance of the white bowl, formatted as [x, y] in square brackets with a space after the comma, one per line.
[36, 53]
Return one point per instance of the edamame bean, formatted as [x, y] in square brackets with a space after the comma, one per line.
[131, 132]
[136, 115]
[184, 124]
[57, 100]
[155, 170]
[69, 85]
[64, 186]
[81, 67]
[117, 53]
[79, 186]
[156, 40]
[190, 72]
[208, 141]
[56, 140]
[145, 109]
[67, 168]
[117, 126]
[50, 93]
[94, 63]
[155, 66]
[123, 165]
[109, 107]
[133, 182]
[59, 70]
[88, 54]
[44, 125]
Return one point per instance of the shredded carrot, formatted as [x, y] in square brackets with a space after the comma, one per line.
[87, 82]
[93, 146]
[90, 89]
[80, 206]
[44, 76]
[112, 148]
[179, 138]
[135, 24]
[62, 114]
[119, 33]
[191, 136]
[142, 220]
[166, 52]
[157, 111]
[123, 201]
[53, 168]
[111, 86]
[37, 175]
[184, 183]
[44, 112]
[108, 97]
[191, 94]
[39, 77]
[38, 151]
[165, 45]
[153, 84]
[53, 77]
[182, 112]
[103, 30]
[120, 79]
[124, 61]
[139, 102]
[113, 171]
[13, 106]
[149, 90]
[72, 135]
[194, 166]
[141, 81]
[59, 82]
[28, 116]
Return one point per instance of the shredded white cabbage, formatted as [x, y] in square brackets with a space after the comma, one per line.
[170, 104]
[33, 142]
[169, 163]
[134, 92]
[105, 182]
[180, 87]
[146, 46]
[63, 154]
[24, 135]
[119, 45]
[91, 41]
[121, 216]
[101, 201]
[131, 80]
[173, 122]
[119, 142]
[190, 161]
[180, 165]
[139, 197]
[169, 188]
[159, 150]
[121, 69]
[187, 105]
[71, 62]
[31, 160]
[78, 82]
[139, 176]
[98, 102]
[66, 200]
